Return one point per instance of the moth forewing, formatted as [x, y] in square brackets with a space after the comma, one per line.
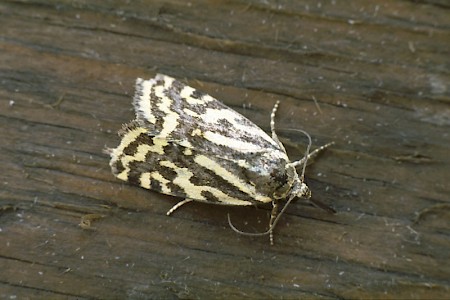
[187, 144]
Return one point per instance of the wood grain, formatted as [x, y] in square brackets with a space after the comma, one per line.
[370, 75]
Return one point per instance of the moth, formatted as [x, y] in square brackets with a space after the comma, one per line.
[187, 144]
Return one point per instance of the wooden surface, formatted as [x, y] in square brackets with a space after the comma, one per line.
[373, 76]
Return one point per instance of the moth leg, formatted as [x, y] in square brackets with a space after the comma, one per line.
[311, 155]
[273, 216]
[272, 126]
[176, 206]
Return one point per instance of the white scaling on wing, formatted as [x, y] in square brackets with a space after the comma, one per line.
[146, 180]
[144, 102]
[166, 79]
[158, 145]
[196, 132]
[191, 113]
[212, 116]
[232, 143]
[170, 119]
[141, 152]
[186, 93]
[195, 191]
[187, 151]
[244, 164]
[162, 181]
[127, 139]
[208, 98]
[223, 173]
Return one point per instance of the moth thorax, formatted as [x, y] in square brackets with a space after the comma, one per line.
[291, 186]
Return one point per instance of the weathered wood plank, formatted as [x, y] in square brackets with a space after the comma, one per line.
[370, 75]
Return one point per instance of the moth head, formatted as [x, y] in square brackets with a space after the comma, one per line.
[303, 191]
[296, 185]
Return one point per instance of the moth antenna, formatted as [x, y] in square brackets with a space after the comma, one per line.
[265, 232]
[244, 232]
[302, 177]
[305, 158]
[272, 126]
